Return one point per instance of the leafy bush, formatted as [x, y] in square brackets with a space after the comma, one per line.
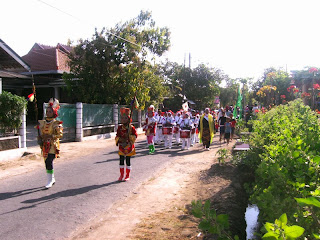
[11, 109]
[211, 222]
[286, 146]
[223, 155]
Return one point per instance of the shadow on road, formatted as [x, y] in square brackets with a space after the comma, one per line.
[109, 160]
[65, 193]
[4, 196]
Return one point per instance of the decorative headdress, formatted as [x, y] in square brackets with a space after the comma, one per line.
[125, 111]
[54, 104]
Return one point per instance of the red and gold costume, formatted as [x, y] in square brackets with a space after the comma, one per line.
[125, 141]
[50, 131]
[54, 128]
[125, 138]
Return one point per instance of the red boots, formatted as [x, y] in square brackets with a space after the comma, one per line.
[127, 178]
[121, 173]
[128, 169]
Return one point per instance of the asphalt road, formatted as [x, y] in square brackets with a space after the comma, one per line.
[84, 188]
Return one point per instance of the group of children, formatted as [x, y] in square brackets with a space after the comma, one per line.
[164, 127]
[226, 126]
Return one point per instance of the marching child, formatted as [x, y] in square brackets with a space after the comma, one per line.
[186, 124]
[168, 122]
[150, 128]
[159, 117]
[50, 131]
[227, 130]
[177, 120]
[125, 138]
[233, 126]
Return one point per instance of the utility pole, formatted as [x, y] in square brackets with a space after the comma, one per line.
[183, 78]
[190, 60]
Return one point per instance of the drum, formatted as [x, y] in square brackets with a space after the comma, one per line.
[167, 130]
[184, 133]
[193, 130]
[175, 129]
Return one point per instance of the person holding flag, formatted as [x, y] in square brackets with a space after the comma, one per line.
[50, 131]
[125, 139]
[238, 105]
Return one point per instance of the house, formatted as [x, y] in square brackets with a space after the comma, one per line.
[48, 63]
[47, 66]
[11, 66]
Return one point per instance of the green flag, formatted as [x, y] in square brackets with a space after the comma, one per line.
[238, 104]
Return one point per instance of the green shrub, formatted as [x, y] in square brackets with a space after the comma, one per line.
[285, 143]
[11, 109]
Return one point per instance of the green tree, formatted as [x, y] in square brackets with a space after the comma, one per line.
[112, 65]
[229, 93]
[199, 84]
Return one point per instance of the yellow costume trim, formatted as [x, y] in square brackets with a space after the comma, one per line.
[211, 127]
[55, 129]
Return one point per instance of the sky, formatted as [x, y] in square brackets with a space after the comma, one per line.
[240, 37]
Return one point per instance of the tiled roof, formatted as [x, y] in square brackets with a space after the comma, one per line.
[45, 58]
[10, 60]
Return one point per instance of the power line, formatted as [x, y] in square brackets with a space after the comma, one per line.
[78, 19]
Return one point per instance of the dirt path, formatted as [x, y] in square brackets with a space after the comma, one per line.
[157, 210]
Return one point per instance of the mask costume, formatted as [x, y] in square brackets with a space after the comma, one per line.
[50, 131]
[125, 139]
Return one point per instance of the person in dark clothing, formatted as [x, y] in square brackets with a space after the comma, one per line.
[222, 120]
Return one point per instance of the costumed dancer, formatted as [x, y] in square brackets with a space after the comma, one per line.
[159, 136]
[125, 138]
[150, 128]
[206, 129]
[167, 125]
[176, 132]
[50, 131]
[185, 126]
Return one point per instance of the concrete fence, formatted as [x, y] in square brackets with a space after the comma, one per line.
[83, 121]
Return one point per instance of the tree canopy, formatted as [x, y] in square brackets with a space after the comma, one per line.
[113, 65]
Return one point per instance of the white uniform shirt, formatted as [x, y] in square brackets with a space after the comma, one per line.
[186, 123]
[168, 120]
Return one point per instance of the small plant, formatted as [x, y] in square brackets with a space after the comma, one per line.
[280, 230]
[223, 155]
[210, 221]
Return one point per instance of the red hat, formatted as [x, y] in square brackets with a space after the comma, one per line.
[125, 111]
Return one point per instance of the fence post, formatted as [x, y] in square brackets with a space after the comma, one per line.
[139, 119]
[23, 130]
[79, 116]
[115, 117]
